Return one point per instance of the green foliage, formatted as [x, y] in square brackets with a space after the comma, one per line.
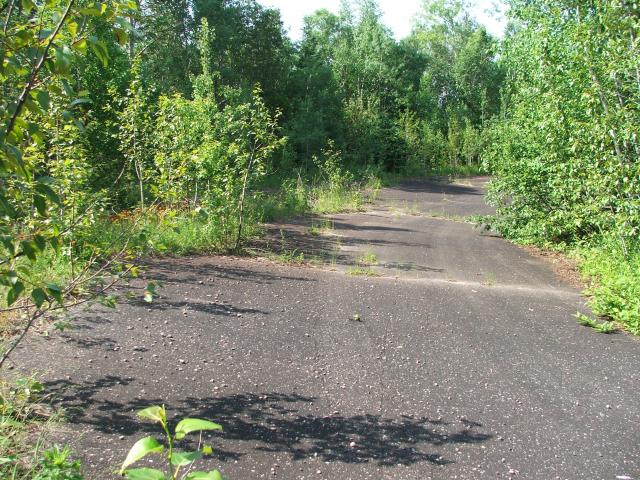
[40, 114]
[210, 155]
[615, 289]
[55, 464]
[367, 259]
[291, 199]
[24, 417]
[176, 460]
[360, 272]
[564, 154]
[388, 103]
[600, 327]
[565, 148]
[111, 111]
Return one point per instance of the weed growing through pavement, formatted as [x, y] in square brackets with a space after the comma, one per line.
[318, 228]
[367, 259]
[178, 464]
[313, 231]
[447, 216]
[361, 272]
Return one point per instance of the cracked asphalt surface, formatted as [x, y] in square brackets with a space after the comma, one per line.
[464, 360]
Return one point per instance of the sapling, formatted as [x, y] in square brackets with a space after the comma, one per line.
[179, 463]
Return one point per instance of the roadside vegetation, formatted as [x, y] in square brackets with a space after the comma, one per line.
[142, 128]
[564, 151]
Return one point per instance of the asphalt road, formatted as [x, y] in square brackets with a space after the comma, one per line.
[464, 360]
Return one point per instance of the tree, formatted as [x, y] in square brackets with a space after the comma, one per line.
[566, 154]
[36, 72]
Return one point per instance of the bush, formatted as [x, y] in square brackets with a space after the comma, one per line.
[615, 289]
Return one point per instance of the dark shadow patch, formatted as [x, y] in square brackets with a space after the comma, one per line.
[277, 423]
[411, 267]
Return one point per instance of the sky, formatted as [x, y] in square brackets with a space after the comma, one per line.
[398, 14]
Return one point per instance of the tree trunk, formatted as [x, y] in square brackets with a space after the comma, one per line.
[242, 199]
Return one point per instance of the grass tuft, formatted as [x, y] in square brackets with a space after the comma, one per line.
[361, 272]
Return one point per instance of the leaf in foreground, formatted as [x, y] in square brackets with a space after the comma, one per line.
[145, 474]
[215, 475]
[140, 449]
[189, 425]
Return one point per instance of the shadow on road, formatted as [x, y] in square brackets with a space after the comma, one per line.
[421, 186]
[162, 304]
[194, 271]
[275, 423]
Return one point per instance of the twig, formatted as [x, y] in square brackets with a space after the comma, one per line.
[37, 314]
[36, 70]
[6, 22]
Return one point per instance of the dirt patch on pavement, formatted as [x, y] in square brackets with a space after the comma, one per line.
[563, 266]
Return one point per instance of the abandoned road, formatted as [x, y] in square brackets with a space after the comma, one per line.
[414, 347]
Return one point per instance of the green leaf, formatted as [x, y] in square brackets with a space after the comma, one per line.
[144, 474]
[150, 292]
[80, 45]
[30, 250]
[121, 36]
[108, 301]
[39, 297]
[40, 204]
[99, 49]
[73, 29]
[45, 180]
[80, 101]
[14, 293]
[55, 291]
[47, 191]
[43, 98]
[215, 475]
[182, 459]
[61, 325]
[40, 242]
[189, 425]
[207, 450]
[154, 413]
[141, 449]
[62, 59]
[91, 12]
